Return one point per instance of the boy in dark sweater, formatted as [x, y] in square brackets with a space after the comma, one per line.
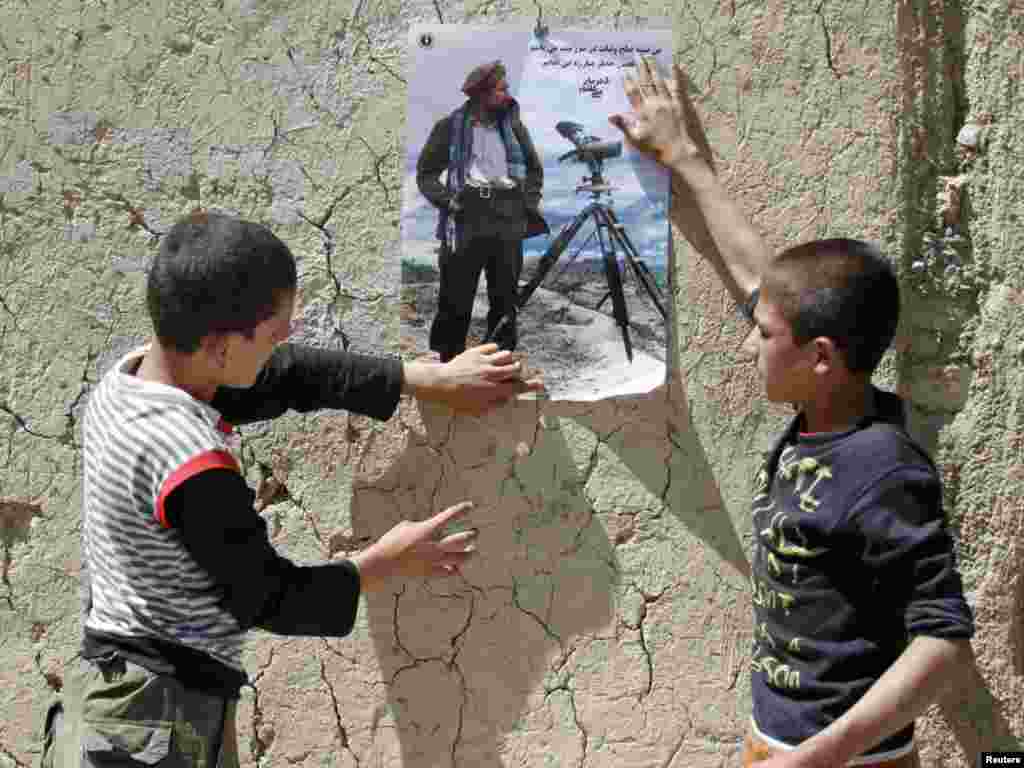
[176, 563]
[859, 615]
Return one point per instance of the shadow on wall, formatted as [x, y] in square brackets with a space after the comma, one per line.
[482, 670]
[976, 717]
[468, 661]
[685, 480]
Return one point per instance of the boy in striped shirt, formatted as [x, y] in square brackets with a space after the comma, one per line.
[177, 564]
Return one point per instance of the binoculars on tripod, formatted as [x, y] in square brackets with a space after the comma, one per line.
[589, 149]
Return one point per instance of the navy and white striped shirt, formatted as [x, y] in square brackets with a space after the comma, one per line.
[177, 564]
[144, 440]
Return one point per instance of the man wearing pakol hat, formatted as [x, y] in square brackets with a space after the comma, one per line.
[488, 204]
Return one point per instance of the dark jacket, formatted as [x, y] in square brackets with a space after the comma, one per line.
[433, 161]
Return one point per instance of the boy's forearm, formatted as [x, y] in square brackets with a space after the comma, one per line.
[733, 246]
[301, 378]
[915, 681]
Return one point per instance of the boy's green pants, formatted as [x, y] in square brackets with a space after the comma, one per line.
[114, 713]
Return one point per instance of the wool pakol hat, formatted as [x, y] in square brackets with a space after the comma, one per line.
[483, 77]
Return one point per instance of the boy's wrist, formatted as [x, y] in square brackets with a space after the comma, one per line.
[421, 379]
[370, 569]
[693, 169]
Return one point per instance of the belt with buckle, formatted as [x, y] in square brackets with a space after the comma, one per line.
[487, 190]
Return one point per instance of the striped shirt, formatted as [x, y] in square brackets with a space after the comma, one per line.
[142, 440]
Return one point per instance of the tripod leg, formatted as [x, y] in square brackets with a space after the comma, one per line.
[651, 286]
[547, 261]
[639, 268]
[614, 280]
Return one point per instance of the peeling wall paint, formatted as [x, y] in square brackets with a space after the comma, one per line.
[607, 620]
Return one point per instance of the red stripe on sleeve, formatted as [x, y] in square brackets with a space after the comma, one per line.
[204, 461]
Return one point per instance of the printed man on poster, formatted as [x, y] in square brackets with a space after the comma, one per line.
[489, 202]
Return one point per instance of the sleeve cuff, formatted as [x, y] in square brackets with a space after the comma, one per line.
[384, 407]
[217, 459]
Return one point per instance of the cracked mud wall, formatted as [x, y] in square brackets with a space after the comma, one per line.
[606, 621]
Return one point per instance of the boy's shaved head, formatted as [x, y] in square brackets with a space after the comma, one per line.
[841, 289]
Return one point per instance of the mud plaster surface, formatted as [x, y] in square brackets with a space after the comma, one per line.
[606, 621]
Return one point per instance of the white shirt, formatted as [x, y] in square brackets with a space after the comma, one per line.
[488, 164]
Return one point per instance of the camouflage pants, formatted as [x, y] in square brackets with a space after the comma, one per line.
[114, 713]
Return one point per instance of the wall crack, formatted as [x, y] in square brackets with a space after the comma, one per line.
[819, 11]
[338, 724]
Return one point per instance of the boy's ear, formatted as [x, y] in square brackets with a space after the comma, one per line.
[215, 347]
[828, 356]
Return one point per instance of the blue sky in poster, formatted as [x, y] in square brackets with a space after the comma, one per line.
[571, 75]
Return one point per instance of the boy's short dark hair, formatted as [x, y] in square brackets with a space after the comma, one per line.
[216, 274]
[839, 288]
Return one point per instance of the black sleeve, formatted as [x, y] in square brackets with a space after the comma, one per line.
[302, 378]
[225, 535]
[909, 550]
[433, 161]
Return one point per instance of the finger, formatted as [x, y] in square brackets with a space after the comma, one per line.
[620, 122]
[486, 349]
[648, 70]
[455, 559]
[661, 87]
[504, 357]
[444, 570]
[680, 83]
[632, 89]
[683, 91]
[439, 570]
[461, 541]
[633, 129]
[441, 519]
[500, 373]
[644, 84]
[534, 385]
[519, 385]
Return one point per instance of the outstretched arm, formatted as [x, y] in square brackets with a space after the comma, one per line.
[665, 125]
[260, 588]
[304, 379]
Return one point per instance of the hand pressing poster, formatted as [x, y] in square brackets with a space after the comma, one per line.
[527, 219]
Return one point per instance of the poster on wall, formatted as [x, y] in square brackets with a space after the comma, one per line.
[527, 219]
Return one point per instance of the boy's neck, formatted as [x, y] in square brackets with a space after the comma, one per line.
[175, 369]
[839, 410]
